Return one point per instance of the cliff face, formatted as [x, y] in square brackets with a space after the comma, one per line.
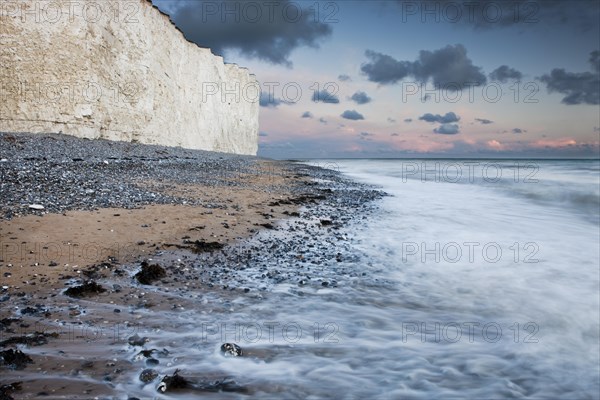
[119, 70]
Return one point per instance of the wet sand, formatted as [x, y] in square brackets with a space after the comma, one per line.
[42, 248]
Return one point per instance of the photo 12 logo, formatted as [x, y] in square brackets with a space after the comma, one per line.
[55, 12]
[469, 171]
[469, 252]
[473, 12]
[254, 12]
[78, 93]
[269, 331]
[453, 92]
[470, 332]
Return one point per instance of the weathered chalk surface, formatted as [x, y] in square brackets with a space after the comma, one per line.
[120, 70]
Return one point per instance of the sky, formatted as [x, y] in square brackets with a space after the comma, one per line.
[370, 79]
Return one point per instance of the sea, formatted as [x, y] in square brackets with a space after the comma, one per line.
[483, 284]
[470, 279]
[490, 283]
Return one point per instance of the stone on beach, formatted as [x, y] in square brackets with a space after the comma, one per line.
[150, 273]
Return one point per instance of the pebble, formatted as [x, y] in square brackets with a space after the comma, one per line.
[57, 173]
[148, 375]
[231, 349]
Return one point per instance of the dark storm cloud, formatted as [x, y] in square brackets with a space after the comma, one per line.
[484, 121]
[268, 31]
[578, 87]
[324, 96]
[491, 14]
[352, 115]
[442, 119]
[447, 129]
[360, 98]
[268, 100]
[385, 69]
[504, 73]
[306, 114]
[344, 78]
[518, 130]
[448, 67]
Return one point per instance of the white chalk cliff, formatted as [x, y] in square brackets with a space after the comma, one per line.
[119, 70]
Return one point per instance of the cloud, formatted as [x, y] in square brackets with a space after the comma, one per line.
[324, 96]
[484, 121]
[448, 68]
[344, 78]
[307, 114]
[503, 73]
[495, 145]
[257, 32]
[263, 134]
[352, 115]
[447, 129]
[442, 119]
[518, 130]
[408, 120]
[384, 69]
[394, 134]
[595, 60]
[391, 120]
[360, 98]
[578, 87]
[365, 136]
[323, 120]
[268, 100]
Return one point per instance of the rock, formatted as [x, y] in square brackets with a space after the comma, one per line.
[172, 382]
[36, 207]
[152, 361]
[136, 340]
[200, 246]
[326, 222]
[225, 385]
[150, 273]
[6, 390]
[231, 350]
[32, 339]
[148, 375]
[87, 289]
[143, 354]
[15, 359]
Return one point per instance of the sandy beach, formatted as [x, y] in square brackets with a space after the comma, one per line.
[104, 242]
